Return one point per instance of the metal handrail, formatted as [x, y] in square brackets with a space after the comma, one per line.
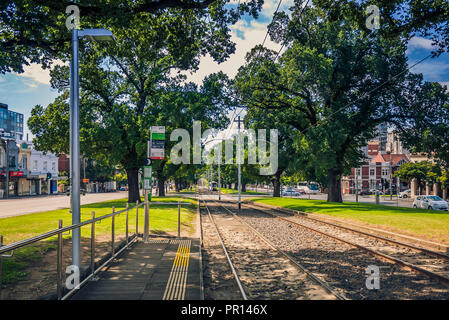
[23, 243]
[60, 231]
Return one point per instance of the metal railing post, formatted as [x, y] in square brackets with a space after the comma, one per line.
[92, 244]
[127, 208]
[137, 218]
[113, 232]
[179, 218]
[146, 228]
[59, 286]
[1, 267]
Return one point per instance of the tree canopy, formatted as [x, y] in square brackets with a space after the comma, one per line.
[35, 31]
[332, 87]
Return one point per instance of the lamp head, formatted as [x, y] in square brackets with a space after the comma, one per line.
[97, 34]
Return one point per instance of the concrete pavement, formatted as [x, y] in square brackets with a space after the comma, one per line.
[21, 206]
[161, 269]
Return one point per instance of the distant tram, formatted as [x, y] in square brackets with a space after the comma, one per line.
[213, 186]
[309, 187]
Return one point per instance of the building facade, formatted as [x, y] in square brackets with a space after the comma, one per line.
[376, 173]
[44, 172]
[11, 123]
[9, 168]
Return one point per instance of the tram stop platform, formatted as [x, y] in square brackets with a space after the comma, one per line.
[162, 269]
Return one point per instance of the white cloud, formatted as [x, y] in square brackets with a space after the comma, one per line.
[420, 43]
[445, 83]
[253, 35]
[35, 72]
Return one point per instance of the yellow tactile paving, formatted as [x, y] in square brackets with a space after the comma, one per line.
[176, 285]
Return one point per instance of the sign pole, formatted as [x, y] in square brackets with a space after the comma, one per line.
[239, 172]
[147, 209]
[155, 150]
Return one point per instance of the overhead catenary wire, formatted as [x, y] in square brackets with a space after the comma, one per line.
[300, 15]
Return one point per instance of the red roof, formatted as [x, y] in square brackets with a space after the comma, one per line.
[386, 157]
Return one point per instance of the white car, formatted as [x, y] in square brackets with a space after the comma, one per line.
[405, 194]
[290, 192]
[430, 203]
[374, 191]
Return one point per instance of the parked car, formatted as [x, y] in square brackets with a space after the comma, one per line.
[290, 192]
[373, 191]
[430, 203]
[405, 194]
[393, 191]
[301, 191]
[124, 189]
[365, 192]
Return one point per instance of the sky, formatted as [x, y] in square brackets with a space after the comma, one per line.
[23, 91]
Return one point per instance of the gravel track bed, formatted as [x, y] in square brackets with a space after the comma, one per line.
[341, 265]
[416, 257]
[264, 273]
[219, 282]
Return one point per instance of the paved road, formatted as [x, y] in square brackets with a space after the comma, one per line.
[17, 207]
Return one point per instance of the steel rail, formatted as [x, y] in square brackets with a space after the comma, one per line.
[400, 243]
[292, 260]
[410, 266]
[231, 265]
[198, 210]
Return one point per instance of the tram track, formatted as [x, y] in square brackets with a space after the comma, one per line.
[431, 263]
[264, 266]
[340, 262]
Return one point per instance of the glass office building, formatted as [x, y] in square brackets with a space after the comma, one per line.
[11, 123]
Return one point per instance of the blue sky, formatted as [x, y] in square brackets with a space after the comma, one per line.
[22, 92]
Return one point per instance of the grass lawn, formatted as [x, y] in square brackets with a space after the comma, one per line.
[431, 225]
[232, 191]
[163, 219]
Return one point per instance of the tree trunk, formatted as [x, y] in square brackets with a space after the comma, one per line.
[161, 187]
[276, 180]
[243, 187]
[334, 187]
[133, 185]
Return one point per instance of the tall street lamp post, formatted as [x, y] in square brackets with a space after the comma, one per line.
[95, 35]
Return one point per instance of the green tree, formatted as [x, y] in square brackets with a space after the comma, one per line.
[444, 179]
[398, 18]
[122, 84]
[326, 87]
[424, 126]
[35, 31]
[258, 118]
[424, 171]
[122, 134]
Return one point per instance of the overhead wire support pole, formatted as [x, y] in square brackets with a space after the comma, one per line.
[238, 166]
[219, 177]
